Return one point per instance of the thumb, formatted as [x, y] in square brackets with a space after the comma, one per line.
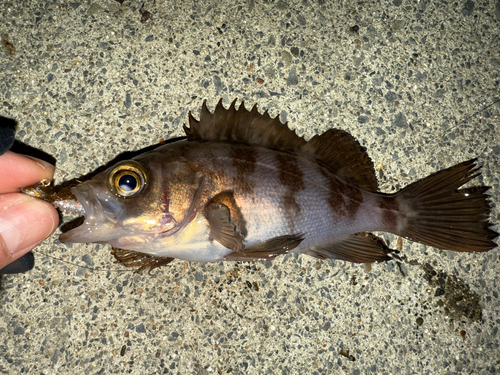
[24, 222]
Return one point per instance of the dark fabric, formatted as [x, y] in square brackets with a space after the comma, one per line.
[7, 134]
[7, 137]
[23, 264]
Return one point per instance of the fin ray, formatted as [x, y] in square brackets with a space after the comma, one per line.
[143, 261]
[268, 250]
[242, 125]
[222, 228]
[445, 217]
[343, 154]
[357, 248]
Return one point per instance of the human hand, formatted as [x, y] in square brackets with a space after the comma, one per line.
[24, 221]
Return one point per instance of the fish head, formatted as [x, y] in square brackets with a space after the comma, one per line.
[136, 202]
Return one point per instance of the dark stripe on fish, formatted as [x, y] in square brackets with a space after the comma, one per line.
[390, 212]
[292, 178]
[335, 200]
[342, 201]
[244, 160]
[354, 201]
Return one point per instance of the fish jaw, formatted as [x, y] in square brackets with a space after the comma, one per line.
[99, 226]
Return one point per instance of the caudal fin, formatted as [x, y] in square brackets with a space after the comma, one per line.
[441, 215]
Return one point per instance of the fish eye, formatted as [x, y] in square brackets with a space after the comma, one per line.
[127, 179]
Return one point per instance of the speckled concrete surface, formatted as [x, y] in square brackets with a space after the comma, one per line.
[87, 81]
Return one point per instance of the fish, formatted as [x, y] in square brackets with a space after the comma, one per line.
[243, 186]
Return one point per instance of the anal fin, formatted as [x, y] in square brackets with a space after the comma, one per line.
[268, 250]
[357, 248]
[143, 261]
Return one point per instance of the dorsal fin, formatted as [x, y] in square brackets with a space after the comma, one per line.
[342, 153]
[335, 148]
[241, 125]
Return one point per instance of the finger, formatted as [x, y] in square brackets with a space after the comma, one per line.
[20, 171]
[24, 222]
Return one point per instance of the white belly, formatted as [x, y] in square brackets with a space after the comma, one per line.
[190, 243]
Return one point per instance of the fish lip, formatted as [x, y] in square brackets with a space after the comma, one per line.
[95, 218]
[86, 197]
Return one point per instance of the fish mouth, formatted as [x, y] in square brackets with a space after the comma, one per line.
[100, 215]
[86, 197]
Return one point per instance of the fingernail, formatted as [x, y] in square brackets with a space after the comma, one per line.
[41, 162]
[24, 223]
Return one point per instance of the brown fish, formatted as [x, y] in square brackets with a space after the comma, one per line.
[244, 187]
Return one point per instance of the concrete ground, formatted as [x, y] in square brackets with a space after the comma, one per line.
[413, 81]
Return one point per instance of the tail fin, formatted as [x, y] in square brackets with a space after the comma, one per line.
[444, 217]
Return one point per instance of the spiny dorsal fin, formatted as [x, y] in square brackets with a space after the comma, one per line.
[336, 148]
[342, 153]
[241, 125]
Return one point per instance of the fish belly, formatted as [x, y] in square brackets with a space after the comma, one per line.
[192, 244]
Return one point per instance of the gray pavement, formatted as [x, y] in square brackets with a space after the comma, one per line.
[87, 81]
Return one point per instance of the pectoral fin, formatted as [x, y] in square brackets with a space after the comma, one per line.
[357, 248]
[227, 227]
[222, 228]
[268, 250]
